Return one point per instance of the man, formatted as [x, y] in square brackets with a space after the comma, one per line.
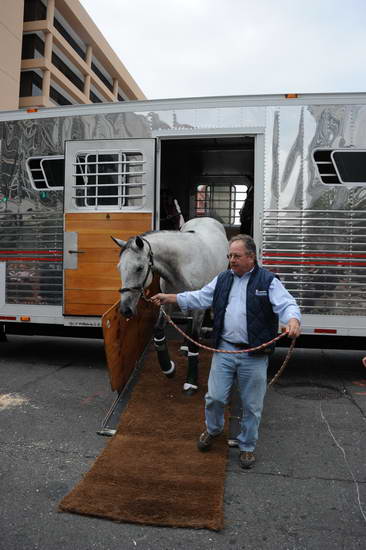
[247, 301]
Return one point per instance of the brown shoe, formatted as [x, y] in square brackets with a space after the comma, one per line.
[205, 440]
[247, 459]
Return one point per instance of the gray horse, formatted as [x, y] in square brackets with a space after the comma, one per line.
[185, 260]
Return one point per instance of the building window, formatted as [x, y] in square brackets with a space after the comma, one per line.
[75, 46]
[121, 95]
[112, 178]
[94, 98]
[32, 46]
[30, 84]
[59, 95]
[34, 10]
[337, 166]
[46, 173]
[58, 98]
[65, 69]
[102, 77]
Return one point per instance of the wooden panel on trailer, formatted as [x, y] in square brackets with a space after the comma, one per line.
[97, 255]
[75, 281]
[92, 288]
[125, 341]
[87, 309]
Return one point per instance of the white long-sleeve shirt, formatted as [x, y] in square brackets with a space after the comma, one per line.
[235, 320]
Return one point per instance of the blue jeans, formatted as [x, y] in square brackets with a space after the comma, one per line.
[251, 373]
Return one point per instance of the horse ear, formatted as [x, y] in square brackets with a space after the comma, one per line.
[120, 243]
[139, 242]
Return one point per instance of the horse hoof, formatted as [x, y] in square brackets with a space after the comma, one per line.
[189, 392]
[189, 389]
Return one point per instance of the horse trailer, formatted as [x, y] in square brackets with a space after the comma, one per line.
[290, 170]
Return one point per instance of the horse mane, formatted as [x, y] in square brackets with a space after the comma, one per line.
[130, 244]
[131, 241]
[167, 231]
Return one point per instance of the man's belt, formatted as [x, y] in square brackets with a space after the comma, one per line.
[238, 345]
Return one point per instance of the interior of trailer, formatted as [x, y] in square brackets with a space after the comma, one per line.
[208, 176]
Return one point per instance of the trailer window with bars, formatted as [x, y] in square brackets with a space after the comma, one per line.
[109, 178]
[220, 201]
[337, 166]
[46, 173]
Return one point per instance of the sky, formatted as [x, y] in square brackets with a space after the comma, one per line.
[194, 48]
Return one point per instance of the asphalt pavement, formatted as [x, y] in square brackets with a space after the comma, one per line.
[307, 491]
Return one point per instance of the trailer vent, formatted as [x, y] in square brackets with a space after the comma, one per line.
[46, 173]
[326, 169]
[320, 256]
[31, 247]
[337, 166]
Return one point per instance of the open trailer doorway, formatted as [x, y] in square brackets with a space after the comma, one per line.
[207, 176]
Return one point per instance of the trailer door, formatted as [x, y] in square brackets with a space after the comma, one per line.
[109, 190]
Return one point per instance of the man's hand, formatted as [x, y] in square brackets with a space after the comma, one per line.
[160, 299]
[293, 328]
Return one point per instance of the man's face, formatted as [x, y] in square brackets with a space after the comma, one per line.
[241, 261]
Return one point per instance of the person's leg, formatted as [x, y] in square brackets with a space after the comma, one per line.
[219, 385]
[252, 381]
[236, 413]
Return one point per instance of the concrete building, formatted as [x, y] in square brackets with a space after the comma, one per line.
[53, 54]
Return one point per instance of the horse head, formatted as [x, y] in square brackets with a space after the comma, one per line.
[135, 267]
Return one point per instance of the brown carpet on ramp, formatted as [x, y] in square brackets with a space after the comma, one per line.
[151, 471]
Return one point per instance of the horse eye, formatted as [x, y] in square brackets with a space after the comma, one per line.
[139, 268]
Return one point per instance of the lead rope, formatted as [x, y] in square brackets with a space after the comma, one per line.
[262, 346]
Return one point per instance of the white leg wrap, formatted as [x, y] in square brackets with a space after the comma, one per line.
[193, 353]
[172, 369]
[183, 348]
[187, 386]
[159, 339]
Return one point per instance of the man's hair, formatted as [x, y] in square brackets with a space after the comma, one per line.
[247, 241]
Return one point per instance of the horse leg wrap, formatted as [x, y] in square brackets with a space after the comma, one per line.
[190, 386]
[160, 343]
[184, 347]
[166, 365]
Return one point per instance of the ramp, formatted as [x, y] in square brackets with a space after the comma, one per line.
[125, 340]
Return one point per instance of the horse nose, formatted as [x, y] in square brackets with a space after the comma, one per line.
[126, 311]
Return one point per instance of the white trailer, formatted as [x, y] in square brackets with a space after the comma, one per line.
[72, 176]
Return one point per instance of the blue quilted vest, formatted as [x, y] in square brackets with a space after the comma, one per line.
[262, 322]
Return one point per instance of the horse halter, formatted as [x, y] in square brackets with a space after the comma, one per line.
[149, 270]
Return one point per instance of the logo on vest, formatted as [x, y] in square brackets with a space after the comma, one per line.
[261, 292]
